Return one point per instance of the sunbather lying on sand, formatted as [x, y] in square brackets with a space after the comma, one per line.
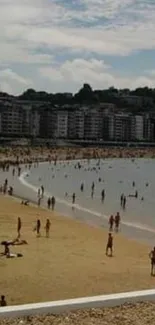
[25, 202]
[16, 241]
[7, 251]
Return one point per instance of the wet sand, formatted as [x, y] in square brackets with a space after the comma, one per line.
[69, 264]
[140, 313]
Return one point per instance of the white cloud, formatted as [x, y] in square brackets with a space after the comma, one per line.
[10, 81]
[34, 33]
[5, 87]
[9, 74]
[72, 74]
[38, 23]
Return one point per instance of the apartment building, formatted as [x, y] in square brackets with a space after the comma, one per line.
[12, 120]
[93, 124]
[72, 125]
[26, 125]
[120, 127]
[137, 128]
[25, 118]
[80, 124]
[147, 128]
[106, 127]
[62, 125]
[0, 123]
[35, 123]
[46, 129]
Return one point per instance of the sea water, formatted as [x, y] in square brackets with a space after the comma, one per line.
[116, 177]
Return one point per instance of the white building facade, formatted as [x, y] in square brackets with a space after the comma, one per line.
[62, 125]
[139, 128]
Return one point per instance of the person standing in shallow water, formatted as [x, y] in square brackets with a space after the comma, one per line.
[73, 198]
[49, 203]
[93, 186]
[124, 203]
[82, 187]
[102, 195]
[111, 223]
[121, 199]
[117, 221]
[42, 191]
[53, 202]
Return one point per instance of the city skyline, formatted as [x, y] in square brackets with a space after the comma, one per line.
[58, 46]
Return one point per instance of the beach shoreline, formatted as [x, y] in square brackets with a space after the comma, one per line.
[26, 191]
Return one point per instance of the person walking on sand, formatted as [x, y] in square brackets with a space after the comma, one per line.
[38, 226]
[117, 221]
[152, 258]
[47, 228]
[111, 223]
[19, 225]
[109, 245]
[53, 202]
[3, 302]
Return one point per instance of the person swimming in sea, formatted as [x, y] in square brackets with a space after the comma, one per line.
[73, 198]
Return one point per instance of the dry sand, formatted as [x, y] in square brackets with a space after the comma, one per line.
[138, 314]
[71, 263]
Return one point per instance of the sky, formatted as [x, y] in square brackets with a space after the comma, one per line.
[58, 45]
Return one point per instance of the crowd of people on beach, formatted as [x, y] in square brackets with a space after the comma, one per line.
[31, 158]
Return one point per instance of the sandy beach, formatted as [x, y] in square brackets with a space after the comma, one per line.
[69, 264]
[25, 154]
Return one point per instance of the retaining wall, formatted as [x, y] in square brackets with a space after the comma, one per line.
[58, 307]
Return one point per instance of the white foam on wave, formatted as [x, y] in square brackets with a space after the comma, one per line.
[81, 208]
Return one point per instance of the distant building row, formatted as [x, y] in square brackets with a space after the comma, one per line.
[22, 119]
